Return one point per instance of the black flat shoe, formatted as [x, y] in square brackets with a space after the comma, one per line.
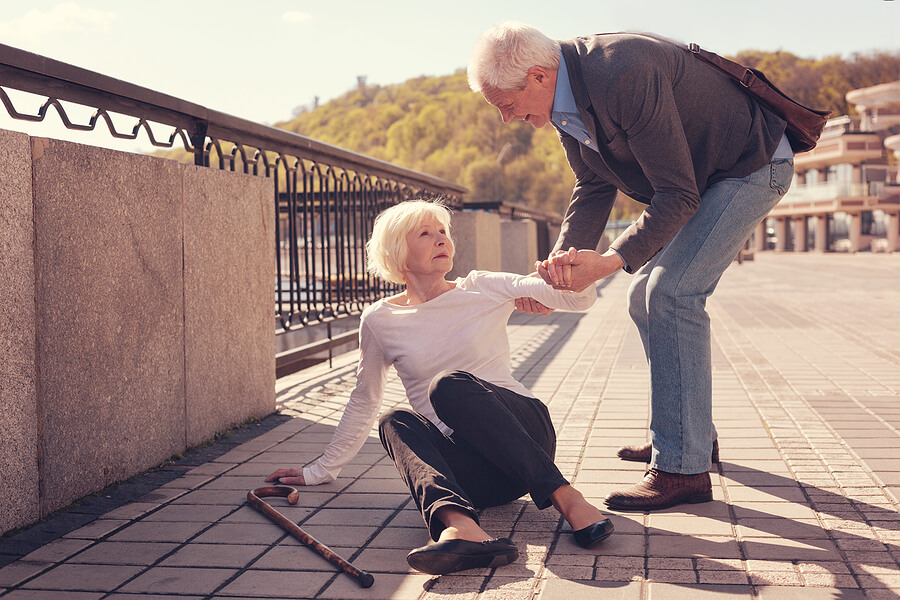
[593, 534]
[450, 556]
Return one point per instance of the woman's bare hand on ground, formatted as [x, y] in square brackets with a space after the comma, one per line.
[287, 477]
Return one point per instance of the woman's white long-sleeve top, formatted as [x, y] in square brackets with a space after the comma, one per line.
[462, 329]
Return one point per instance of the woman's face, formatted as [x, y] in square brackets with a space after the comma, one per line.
[430, 249]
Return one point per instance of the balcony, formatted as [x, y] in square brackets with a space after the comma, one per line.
[832, 190]
[850, 147]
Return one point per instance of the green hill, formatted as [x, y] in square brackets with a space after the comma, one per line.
[438, 126]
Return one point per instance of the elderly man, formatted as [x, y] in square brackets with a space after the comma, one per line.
[639, 114]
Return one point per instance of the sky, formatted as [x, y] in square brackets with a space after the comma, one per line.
[261, 60]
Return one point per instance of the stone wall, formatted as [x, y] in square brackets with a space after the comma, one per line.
[518, 246]
[139, 320]
[19, 424]
[476, 235]
[229, 274]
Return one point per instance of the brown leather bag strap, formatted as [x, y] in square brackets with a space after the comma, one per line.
[747, 77]
[804, 124]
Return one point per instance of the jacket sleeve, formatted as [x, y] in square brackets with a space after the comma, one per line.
[590, 206]
[643, 105]
[359, 414]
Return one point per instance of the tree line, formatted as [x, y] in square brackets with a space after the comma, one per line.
[437, 125]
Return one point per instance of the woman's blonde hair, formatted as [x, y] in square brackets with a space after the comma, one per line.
[386, 249]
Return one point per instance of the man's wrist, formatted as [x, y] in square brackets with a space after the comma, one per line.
[614, 254]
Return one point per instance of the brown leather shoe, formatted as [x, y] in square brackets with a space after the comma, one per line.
[643, 452]
[660, 490]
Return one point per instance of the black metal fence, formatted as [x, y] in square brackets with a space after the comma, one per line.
[326, 197]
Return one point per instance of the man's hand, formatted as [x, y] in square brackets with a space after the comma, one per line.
[577, 269]
[557, 269]
[287, 477]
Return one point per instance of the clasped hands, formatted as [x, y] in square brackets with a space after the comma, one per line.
[575, 270]
[572, 270]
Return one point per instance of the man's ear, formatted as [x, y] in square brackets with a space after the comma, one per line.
[539, 74]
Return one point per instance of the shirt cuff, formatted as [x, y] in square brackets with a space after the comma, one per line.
[315, 474]
[624, 262]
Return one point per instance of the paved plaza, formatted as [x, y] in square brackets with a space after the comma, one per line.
[806, 383]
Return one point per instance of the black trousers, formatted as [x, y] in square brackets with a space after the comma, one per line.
[502, 446]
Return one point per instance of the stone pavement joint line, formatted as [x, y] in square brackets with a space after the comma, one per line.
[806, 376]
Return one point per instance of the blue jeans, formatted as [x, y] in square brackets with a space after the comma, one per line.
[667, 302]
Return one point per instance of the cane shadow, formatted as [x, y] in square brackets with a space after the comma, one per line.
[822, 500]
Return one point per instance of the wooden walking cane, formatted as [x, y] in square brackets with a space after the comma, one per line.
[283, 491]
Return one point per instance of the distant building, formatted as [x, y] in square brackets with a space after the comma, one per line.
[845, 196]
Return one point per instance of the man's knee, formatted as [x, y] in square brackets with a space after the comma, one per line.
[637, 299]
[665, 296]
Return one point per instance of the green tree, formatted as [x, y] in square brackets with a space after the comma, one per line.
[439, 126]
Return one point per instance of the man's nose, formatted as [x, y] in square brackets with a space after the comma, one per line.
[506, 115]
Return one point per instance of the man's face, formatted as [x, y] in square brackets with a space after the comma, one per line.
[533, 103]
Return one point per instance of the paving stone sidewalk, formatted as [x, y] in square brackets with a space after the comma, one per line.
[806, 380]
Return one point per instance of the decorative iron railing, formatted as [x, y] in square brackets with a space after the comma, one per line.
[326, 197]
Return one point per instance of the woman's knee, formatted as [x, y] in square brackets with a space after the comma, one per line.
[397, 416]
[637, 306]
[446, 389]
[399, 426]
[394, 419]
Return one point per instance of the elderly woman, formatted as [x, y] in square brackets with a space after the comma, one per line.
[475, 436]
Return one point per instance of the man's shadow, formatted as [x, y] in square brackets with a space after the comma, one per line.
[840, 553]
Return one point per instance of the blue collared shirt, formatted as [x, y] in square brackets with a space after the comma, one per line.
[784, 149]
[565, 115]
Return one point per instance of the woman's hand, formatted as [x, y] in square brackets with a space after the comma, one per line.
[287, 477]
[530, 306]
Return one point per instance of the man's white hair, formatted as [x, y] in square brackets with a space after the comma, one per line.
[387, 251]
[504, 53]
